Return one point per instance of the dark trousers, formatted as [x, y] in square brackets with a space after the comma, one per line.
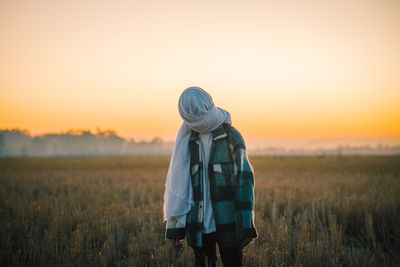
[207, 255]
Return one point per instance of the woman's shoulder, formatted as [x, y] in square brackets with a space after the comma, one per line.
[234, 136]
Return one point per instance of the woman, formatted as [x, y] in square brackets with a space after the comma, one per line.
[209, 195]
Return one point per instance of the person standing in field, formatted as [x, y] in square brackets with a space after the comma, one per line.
[209, 194]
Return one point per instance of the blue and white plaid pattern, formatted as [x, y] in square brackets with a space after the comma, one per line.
[231, 187]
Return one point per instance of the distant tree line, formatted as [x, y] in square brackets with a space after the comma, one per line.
[20, 143]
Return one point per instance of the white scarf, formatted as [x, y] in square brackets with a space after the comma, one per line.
[199, 113]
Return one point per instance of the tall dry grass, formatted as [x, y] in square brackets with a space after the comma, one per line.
[310, 211]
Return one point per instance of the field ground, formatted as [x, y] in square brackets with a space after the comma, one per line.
[310, 211]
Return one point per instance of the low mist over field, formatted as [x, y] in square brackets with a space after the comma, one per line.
[77, 143]
[19, 143]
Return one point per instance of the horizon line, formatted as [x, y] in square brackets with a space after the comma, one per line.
[97, 130]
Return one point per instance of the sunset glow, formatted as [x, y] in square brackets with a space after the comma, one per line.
[283, 69]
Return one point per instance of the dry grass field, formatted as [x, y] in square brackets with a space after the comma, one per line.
[310, 211]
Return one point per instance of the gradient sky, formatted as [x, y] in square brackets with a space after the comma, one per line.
[284, 69]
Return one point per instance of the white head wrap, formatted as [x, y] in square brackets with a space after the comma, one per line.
[199, 113]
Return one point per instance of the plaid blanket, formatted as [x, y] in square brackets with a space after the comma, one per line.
[231, 187]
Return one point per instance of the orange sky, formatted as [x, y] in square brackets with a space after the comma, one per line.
[284, 69]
